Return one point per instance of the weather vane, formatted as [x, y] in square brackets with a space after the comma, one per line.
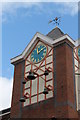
[55, 21]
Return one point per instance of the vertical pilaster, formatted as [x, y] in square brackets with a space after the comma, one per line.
[64, 81]
[16, 107]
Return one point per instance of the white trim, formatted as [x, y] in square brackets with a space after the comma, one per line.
[4, 114]
[29, 45]
[77, 43]
[62, 38]
[39, 35]
[45, 39]
[16, 58]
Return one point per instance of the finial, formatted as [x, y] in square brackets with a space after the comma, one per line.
[55, 21]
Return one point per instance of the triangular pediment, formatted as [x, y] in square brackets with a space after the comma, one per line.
[40, 37]
[37, 37]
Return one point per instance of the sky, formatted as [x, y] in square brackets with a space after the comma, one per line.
[19, 22]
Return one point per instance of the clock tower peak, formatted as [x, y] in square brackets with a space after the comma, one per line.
[55, 33]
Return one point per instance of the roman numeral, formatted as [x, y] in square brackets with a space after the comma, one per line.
[44, 54]
[32, 59]
[39, 46]
[38, 60]
[41, 57]
[35, 60]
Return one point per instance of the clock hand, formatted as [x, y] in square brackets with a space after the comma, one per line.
[41, 50]
[37, 51]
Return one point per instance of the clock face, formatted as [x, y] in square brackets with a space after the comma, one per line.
[79, 52]
[38, 53]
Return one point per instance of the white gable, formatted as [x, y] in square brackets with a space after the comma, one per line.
[45, 39]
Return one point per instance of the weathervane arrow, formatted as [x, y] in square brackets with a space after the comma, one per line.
[55, 21]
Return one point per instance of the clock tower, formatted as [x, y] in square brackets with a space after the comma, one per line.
[44, 78]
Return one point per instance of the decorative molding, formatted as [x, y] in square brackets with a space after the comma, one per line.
[4, 114]
[43, 38]
[62, 38]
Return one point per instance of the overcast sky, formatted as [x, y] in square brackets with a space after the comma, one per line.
[20, 21]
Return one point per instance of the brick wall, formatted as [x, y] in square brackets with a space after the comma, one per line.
[64, 81]
[17, 90]
[44, 109]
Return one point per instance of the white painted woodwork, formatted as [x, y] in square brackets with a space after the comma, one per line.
[42, 83]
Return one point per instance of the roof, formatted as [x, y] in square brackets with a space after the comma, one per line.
[55, 33]
[46, 39]
[77, 42]
[5, 111]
